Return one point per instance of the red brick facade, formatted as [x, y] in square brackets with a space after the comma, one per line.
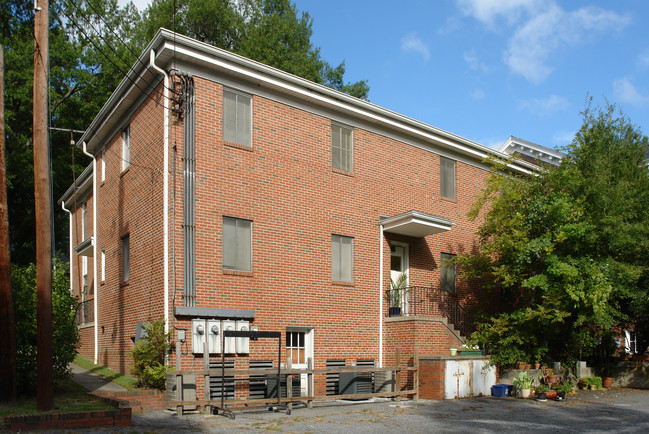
[284, 183]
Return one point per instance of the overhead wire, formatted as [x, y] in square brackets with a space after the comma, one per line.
[119, 68]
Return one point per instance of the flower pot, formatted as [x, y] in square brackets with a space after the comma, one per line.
[607, 381]
[537, 365]
[541, 396]
[453, 351]
[395, 311]
[552, 379]
[521, 365]
[551, 394]
[525, 393]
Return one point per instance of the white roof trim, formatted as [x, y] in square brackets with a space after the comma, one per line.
[416, 224]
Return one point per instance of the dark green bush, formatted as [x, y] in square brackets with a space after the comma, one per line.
[65, 333]
[149, 356]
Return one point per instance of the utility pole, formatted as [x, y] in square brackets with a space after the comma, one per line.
[7, 330]
[45, 368]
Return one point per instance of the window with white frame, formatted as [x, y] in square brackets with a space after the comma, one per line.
[126, 257]
[85, 310]
[237, 244]
[447, 177]
[84, 214]
[103, 166]
[296, 347]
[126, 147]
[342, 258]
[103, 265]
[448, 272]
[342, 148]
[237, 118]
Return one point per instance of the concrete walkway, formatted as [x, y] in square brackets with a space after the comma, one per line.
[92, 381]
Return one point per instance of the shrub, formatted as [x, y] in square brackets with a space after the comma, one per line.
[149, 356]
[65, 339]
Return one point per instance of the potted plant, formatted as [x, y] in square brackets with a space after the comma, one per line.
[394, 295]
[469, 349]
[453, 351]
[523, 383]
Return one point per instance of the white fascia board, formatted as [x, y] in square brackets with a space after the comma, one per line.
[255, 71]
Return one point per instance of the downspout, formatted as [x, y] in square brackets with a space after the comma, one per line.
[165, 200]
[381, 298]
[69, 240]
[95, 212]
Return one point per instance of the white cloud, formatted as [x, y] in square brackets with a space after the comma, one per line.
[544, 106]
[411, 43]
[478, 94]
[487, 11]
[471, 58]
[626, 92]
[539, 29]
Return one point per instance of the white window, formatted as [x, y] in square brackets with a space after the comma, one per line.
[126, 258]
[103, 166]
[237, 118]
[448, 272]
[103, 265]
[342, 148]
[447, 177]
[84, 214]
[126, 147]
[296, 347]
[342, 258]
[237, 244]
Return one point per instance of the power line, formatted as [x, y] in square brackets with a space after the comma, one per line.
[89, 39]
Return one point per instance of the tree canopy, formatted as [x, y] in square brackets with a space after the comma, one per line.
[567, 249]
[269, 31]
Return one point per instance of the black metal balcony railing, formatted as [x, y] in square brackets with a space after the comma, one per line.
[86, 312]
[428, 301]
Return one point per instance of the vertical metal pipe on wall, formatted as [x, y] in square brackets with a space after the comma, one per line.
[189, 190]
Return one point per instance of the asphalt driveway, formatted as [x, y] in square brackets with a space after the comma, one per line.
[617, 410]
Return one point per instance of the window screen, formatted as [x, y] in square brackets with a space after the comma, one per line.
[447, 178]
[126, 258]
[341, 148]
[448, 272]
[237, 244]
[126, 147]
[342, 258]
[237, 118]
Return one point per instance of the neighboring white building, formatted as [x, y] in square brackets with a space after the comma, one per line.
[531, 152]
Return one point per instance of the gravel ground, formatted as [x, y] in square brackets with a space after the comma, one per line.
[617, 410]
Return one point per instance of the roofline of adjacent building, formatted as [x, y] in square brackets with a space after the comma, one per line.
[80, 185]
[167, 43]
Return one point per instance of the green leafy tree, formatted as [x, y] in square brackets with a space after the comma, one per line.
[149, 356]
[567, 249]
[269, 31]
[82, 78]
[65, 332]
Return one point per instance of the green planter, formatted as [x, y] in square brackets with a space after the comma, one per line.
[470, 352]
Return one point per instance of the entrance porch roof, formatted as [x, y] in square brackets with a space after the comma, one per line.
[416, 224]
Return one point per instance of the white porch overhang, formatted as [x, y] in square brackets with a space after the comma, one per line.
[85, 247]
[416, 224]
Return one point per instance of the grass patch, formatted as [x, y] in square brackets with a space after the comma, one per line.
[126, 382]
[68, 396]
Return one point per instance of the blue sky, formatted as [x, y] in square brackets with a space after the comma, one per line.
[488, 69]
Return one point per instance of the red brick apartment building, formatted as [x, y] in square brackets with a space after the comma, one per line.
[226, 194]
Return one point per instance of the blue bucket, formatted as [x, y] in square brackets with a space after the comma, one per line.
[500, 390]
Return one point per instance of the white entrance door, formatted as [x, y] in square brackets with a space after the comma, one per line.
[299, 347]
[398, 265]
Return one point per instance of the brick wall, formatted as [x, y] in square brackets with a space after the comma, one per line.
[284, 183]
